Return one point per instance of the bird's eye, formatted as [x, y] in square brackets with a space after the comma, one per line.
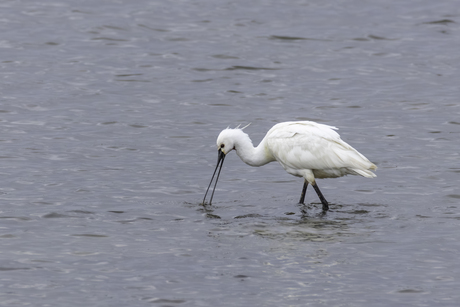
[222, 145]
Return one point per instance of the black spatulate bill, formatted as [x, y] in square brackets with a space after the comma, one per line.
[220, 161]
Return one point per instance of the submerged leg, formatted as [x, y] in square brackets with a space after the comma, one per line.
[304, 191]
[321, 197]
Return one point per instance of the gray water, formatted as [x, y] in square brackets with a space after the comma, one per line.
[109, 115]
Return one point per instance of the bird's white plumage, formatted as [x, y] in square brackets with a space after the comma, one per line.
[305, 149]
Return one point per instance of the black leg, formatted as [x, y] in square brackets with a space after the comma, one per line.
[321, 197]
[304, 191]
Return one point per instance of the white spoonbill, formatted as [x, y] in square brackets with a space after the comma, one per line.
[304, 149]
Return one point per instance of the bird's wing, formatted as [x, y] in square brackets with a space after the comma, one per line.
[309, 145]
[288, 129]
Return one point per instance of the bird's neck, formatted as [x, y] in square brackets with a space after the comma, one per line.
[253, 156]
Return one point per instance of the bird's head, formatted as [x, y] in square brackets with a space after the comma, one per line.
[226, 140]
[230, 139]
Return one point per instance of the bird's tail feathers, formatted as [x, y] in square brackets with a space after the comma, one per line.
[366, 173]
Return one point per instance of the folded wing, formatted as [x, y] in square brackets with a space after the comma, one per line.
[313, 146]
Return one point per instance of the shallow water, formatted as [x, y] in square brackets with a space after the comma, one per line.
[109, 116]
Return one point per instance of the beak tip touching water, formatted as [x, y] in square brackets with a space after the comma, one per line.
[220, 161]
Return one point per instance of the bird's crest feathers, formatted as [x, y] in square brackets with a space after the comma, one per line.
[238, 127]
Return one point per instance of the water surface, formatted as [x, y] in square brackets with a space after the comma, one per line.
[109, 114]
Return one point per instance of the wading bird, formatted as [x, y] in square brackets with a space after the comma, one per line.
[304, 149]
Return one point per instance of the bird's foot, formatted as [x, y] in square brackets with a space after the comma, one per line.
[325, 207]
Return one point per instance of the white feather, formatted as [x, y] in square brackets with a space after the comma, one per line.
[305, 149]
